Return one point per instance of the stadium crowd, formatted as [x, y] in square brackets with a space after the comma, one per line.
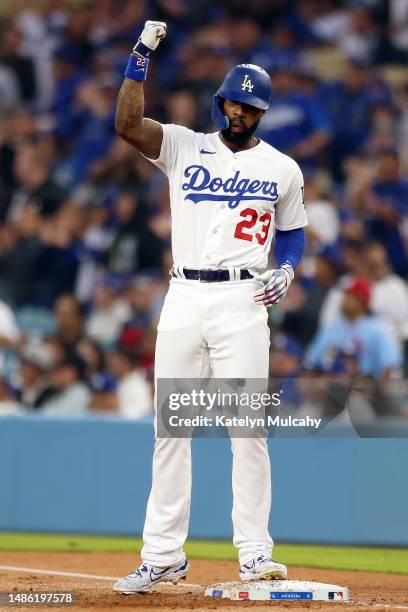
[84, 219]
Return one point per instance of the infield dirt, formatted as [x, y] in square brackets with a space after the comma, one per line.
[367, 590]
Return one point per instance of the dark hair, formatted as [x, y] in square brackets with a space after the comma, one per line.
[101, 359]
[355, 245]
[81, 308]
[130, 355]
[76, 362]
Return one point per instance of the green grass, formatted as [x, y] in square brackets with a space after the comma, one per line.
[392, 560]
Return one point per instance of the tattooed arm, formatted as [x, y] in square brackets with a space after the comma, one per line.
[144, 134]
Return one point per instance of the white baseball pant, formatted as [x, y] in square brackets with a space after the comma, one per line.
[203, 326]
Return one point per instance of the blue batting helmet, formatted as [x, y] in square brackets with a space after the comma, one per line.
[244, 83]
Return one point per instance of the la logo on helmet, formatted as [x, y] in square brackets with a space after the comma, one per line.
[247, 84]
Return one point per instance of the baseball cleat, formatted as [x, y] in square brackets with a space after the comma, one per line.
[263, 568]
[146, 576]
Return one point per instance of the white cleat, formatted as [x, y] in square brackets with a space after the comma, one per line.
[146, 576]
[263, 568]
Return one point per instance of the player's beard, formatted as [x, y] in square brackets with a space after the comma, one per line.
[240, 138]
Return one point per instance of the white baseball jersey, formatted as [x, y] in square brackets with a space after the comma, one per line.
[224, 204]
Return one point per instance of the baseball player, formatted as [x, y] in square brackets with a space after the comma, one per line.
[228, 190]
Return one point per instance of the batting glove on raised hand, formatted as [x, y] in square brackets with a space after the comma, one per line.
[277, 284]
[153, 33]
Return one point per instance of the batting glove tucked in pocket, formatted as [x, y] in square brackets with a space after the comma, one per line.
[277, 284]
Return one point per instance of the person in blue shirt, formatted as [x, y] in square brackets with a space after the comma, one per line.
[349, 103]
[356, 333]
[385, 206]
[295, 122]
[68, 75]
[284, 370]
[281, 50]
[90, 129]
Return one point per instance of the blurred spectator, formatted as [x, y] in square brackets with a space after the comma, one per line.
[91, 128]
[303, 305]
[9, 332]
[8, 404]
[58, 265]
[77, 29]
[134, 247]
[389, 296]
[145, 298]
[134, 399]
[21, 250]
[8, 88]
[95, 239]
[389, 300]
[301, 21]
[284, 369]
[68, 75]
[332, 21]
[56, 348]
[350, 261]
[92, 354]
[36, 188]
[10, 336]
[384, 203]
[349, 102]
[392, 22]
[361, 40]
[22, 67]
[286, 357]
[357, 333]
[71, 396]
[36, 363]
[70, 321]
[383, 130]
[103, 385]
[182, 109]
[16, 127]
[104, 393]
[281, 50]
[398, 22]
[323, 220]
[108, 312]
[41, 25]
[245, 35]
[295, 123]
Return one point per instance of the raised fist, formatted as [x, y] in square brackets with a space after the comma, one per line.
[153, 33]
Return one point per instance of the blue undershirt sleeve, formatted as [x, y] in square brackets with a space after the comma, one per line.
[290, 246]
